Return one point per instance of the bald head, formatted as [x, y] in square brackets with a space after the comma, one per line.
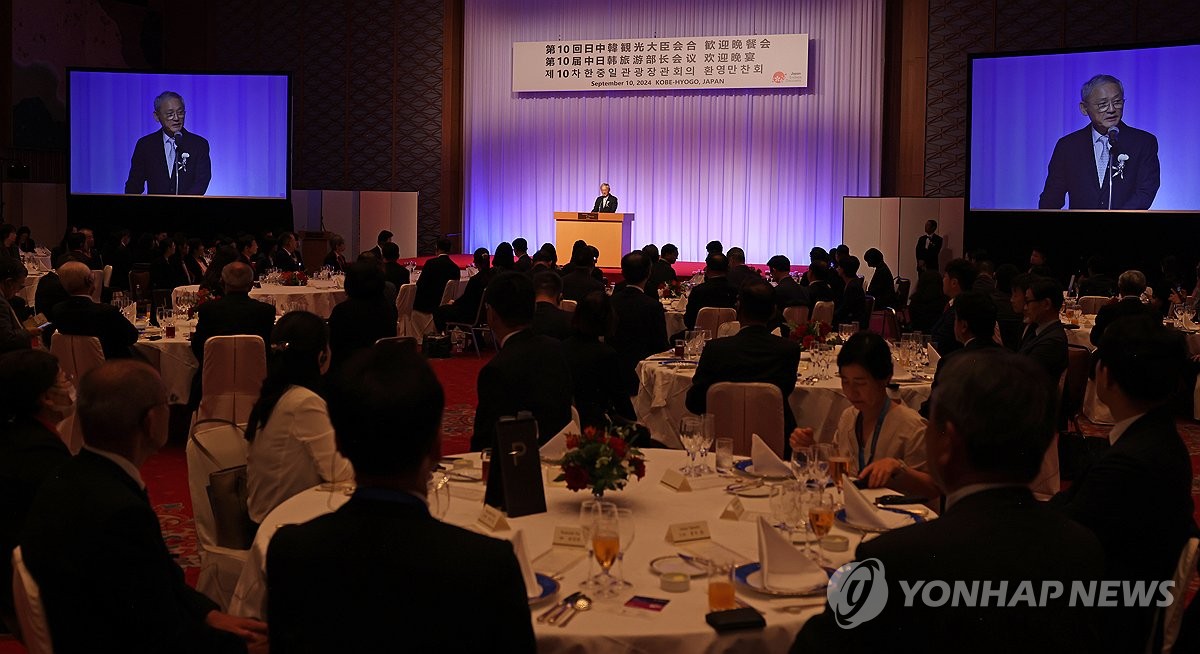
[115, 404]
[76, 278]
[237, 277]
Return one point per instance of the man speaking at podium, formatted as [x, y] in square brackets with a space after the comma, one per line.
[606, 203]
[169, 161]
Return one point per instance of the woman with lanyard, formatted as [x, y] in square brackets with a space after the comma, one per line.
[884, 440]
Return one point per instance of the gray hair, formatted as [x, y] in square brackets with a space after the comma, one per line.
[164, 96]
[1131, 282]
[1098, 80]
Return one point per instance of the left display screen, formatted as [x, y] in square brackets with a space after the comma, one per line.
[191, 135]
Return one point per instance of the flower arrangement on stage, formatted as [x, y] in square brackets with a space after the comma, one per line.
[297, 278]
[601, 460]
[202, 296]
[671, 290]
[809, 334]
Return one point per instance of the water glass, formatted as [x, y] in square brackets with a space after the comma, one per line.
[704, 442]
[626, 527]
[438, 495]
[846, 330]
[724, 455]
[802, 461]
[689, 434]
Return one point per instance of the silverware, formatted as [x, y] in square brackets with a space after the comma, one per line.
[581, 604]
[918, 512]
[695, 561]
[737, 488]
[558, 608]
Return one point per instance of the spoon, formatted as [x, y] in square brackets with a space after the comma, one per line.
[553, 612]
[583, 603]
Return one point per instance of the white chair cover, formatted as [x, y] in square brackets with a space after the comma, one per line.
[796, 315]
[450, 292]
[711, 318]
[1047, 482]
[729, 329]
[1184, 571]
[404, 310]
[107, 276]
[234, 370]
[31, 615]
[567, 305]
[1090, 304]
[743, 409]
[220, 567]
[97, 284]
[77, 356]
[823, 312]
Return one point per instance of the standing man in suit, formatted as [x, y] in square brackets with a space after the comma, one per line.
[1044, 340]
[385, 236]
[641, 322]
[1130, 285]
[171, 160]
[753, 354]
[1085, 160]
[434, 275]
[929, 246]
[528, 374]
[607, 202]
[521, 251]
[93, 543]
[233, 314]
[374, 551]
[716, 291]
[1145, 474]
[287, 257]
[13, 335]
[81, 316]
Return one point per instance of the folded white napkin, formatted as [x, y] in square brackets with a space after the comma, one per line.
[776, 332]
[784, 568]
[532, 589]
[861, 511]
[765, 461]
[933, 355]
[556, 447]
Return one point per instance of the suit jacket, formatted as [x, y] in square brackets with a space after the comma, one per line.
[432, 282]
[1098, 284]
[1002, 534]
[790, 294]
[375, 553]
[395, 273]
[234, 314]
[1146, 474]
[196, 269]
[601, 381]
[740, 274]
[971, 346]
[882, 287]
[661, 273]
[1072, 172]
[528, 374]
[1109, 313]
[148, 166]
[641, 328]
[941, 334]
[853, 307]
[715, 292]
[108, 582]
[467, 307]
[928, 248]
[356, 323]
[523, 263]
[549, 320]
[337, 261]
[751, 355]
[578, 283]
[80, 316]
[1048, 347]
[121, 259]
[12, 333]
[166, 274]
[600, 208]
[286, 262]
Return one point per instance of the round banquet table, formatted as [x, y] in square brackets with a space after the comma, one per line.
[319, 297]
[662, 391]
[609, 626]
[175, 362]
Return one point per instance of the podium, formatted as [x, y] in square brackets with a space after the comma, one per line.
[611, 233]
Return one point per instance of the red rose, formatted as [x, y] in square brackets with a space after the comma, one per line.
[823, 329]
[572, 441]
[576, 477]
[639, 468]
[590, 433]
[618, 447]
[808, 341]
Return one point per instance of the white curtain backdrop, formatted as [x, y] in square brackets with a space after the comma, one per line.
[763, 169]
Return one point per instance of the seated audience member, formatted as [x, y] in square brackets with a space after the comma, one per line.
[661, 271]
[739, 272]
[382, 546]
[195, 262]
[815, 254]
[384, 236]
[601, 382]
[13, 335]
[466, 309]
[529, 373]
[365, 316]
[78, 251]
[396, 274]
[885, 440]
[504, 259]
[959, 277]
[522, 263]
[164, 274]
[1146, 472]
[882, 286]
[1044, 339]
[25, 242]
[714, 247]
[974, 324]
[546, 258]
[1038, 262]
[1131, 284]
[1168, 282]
[928, 302]
[235, 313]
[985, 280]
[287, 257]
[225, 255]
[753, 354]
[787, 292]
[1098, 282]
[1010, 322]
[548, 318]
[853, 307]
[669, 254]
[8, 242]
[79, 315]
[641, 322]
[36, 398]
[118, 255]
[247, 253]
[291, 441]
[816, 281]
[984, 454]
[434, 275]
[92, 540]
[715, 291]
[336, 259]
[577, 277]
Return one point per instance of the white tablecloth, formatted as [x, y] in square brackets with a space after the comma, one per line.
[30, 289]
[675, 323]
[663, 389]
[175, 362]
[318, 297]
[680, 627]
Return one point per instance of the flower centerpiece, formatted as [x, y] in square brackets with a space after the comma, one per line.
[808, 334]
[297, 278]
[672, 290]
[202, 296]
[601, 460]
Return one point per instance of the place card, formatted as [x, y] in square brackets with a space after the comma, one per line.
[686, 532]
[675, 480]
[734, 510]
[492, 519]
[569, 537]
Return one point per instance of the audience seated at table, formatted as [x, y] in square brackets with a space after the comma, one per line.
[1044, 339]
[79, 315]
[984, 454]
[529, 373]
[882, 286]
[247, 253]
[739, 273]
[434, 275]
[287, 258]
[577, 276]
[387, 564]
[927, 303]
[235, 313]
[196, 260]
[1009, 321]
[787, 292]
[1098, 281]
[365, 316]
[164, 273]
[959, 277]
[92, 541]
[396, 274]
[715, 291]
[13, 335]
[1130, 285]
[336, 259]
[521, 260]
[974, 323]
[1137, 497]
[37, 396]
[548, 318]
[853, 307]
[661, 272]
[641, 328]
[467, 307]
[601, 381]
[753, 354]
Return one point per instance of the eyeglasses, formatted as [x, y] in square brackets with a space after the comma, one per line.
[1106, 105]
[172, 115]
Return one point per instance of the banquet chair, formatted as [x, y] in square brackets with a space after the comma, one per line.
[234, 370]
[450, 292]
[903, 289]
[797, 315]
[476, 329]
[823, 312]
[218, 446]
[885, 323]
[1090, 304]
[97, 285]
[1172, 616]
[711, 318]
[567, 305]
[408, 341]
[139, 285]
[107, 276]
[746, 408]
[868, 309]
[31, 615]
[77, 356]
[1048, 480]
[729, 329]
[404, 310]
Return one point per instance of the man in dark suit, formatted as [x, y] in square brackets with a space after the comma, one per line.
[521, 252]
[753, 354]
[974, 324]
[641, 322]
[13, 335]
[171, 160]
[528, 374]
[661, 271]
[992, 531]
[374, 551]
[548, 318]
[578, 275]
[1131, 284]
[787, 292]
[336, 258]
[233, 314]
[1146, 473]
[118, 255]
[716, 291]
[93, 543]
[1044, 340]
[467, 307]
[1098, 282]
[853, 307]
[1107, 149]
[81, 316]
[434, 275]
[607, 202]
[384, 236]
[929, 246]
[247, 247]
[959, 277]
[739, 272]
[287, 257]
[395, 273]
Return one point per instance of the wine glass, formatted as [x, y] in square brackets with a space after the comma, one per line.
[587, 511]
[779, 509]
[606, 544]
[689, 431]
[824, 452]
[704, 441]
[801, 462]
[820, 518]
[625, 524]
[438, 495]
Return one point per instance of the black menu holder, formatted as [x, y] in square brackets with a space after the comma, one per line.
[515, 477]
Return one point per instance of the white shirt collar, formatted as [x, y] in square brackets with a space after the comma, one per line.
[508, 336]
[971, 489]
[1119, 429]
[122, 463]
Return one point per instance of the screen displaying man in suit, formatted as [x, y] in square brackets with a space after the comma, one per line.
[606, 203]
[1107, 149]
[171, 160]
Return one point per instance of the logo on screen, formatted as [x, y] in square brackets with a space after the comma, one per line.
[858, 591]
[778, 77]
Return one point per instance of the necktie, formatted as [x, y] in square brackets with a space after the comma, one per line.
[1030, 332]
[1102, 160]
[605, 205]
[171, 158]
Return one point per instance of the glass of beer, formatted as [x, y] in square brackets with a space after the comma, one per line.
[485, 462]
[606, 545]
[820, 520]
[839, 467]
[720, 587]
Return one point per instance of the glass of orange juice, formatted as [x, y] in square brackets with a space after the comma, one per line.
[720, 587]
